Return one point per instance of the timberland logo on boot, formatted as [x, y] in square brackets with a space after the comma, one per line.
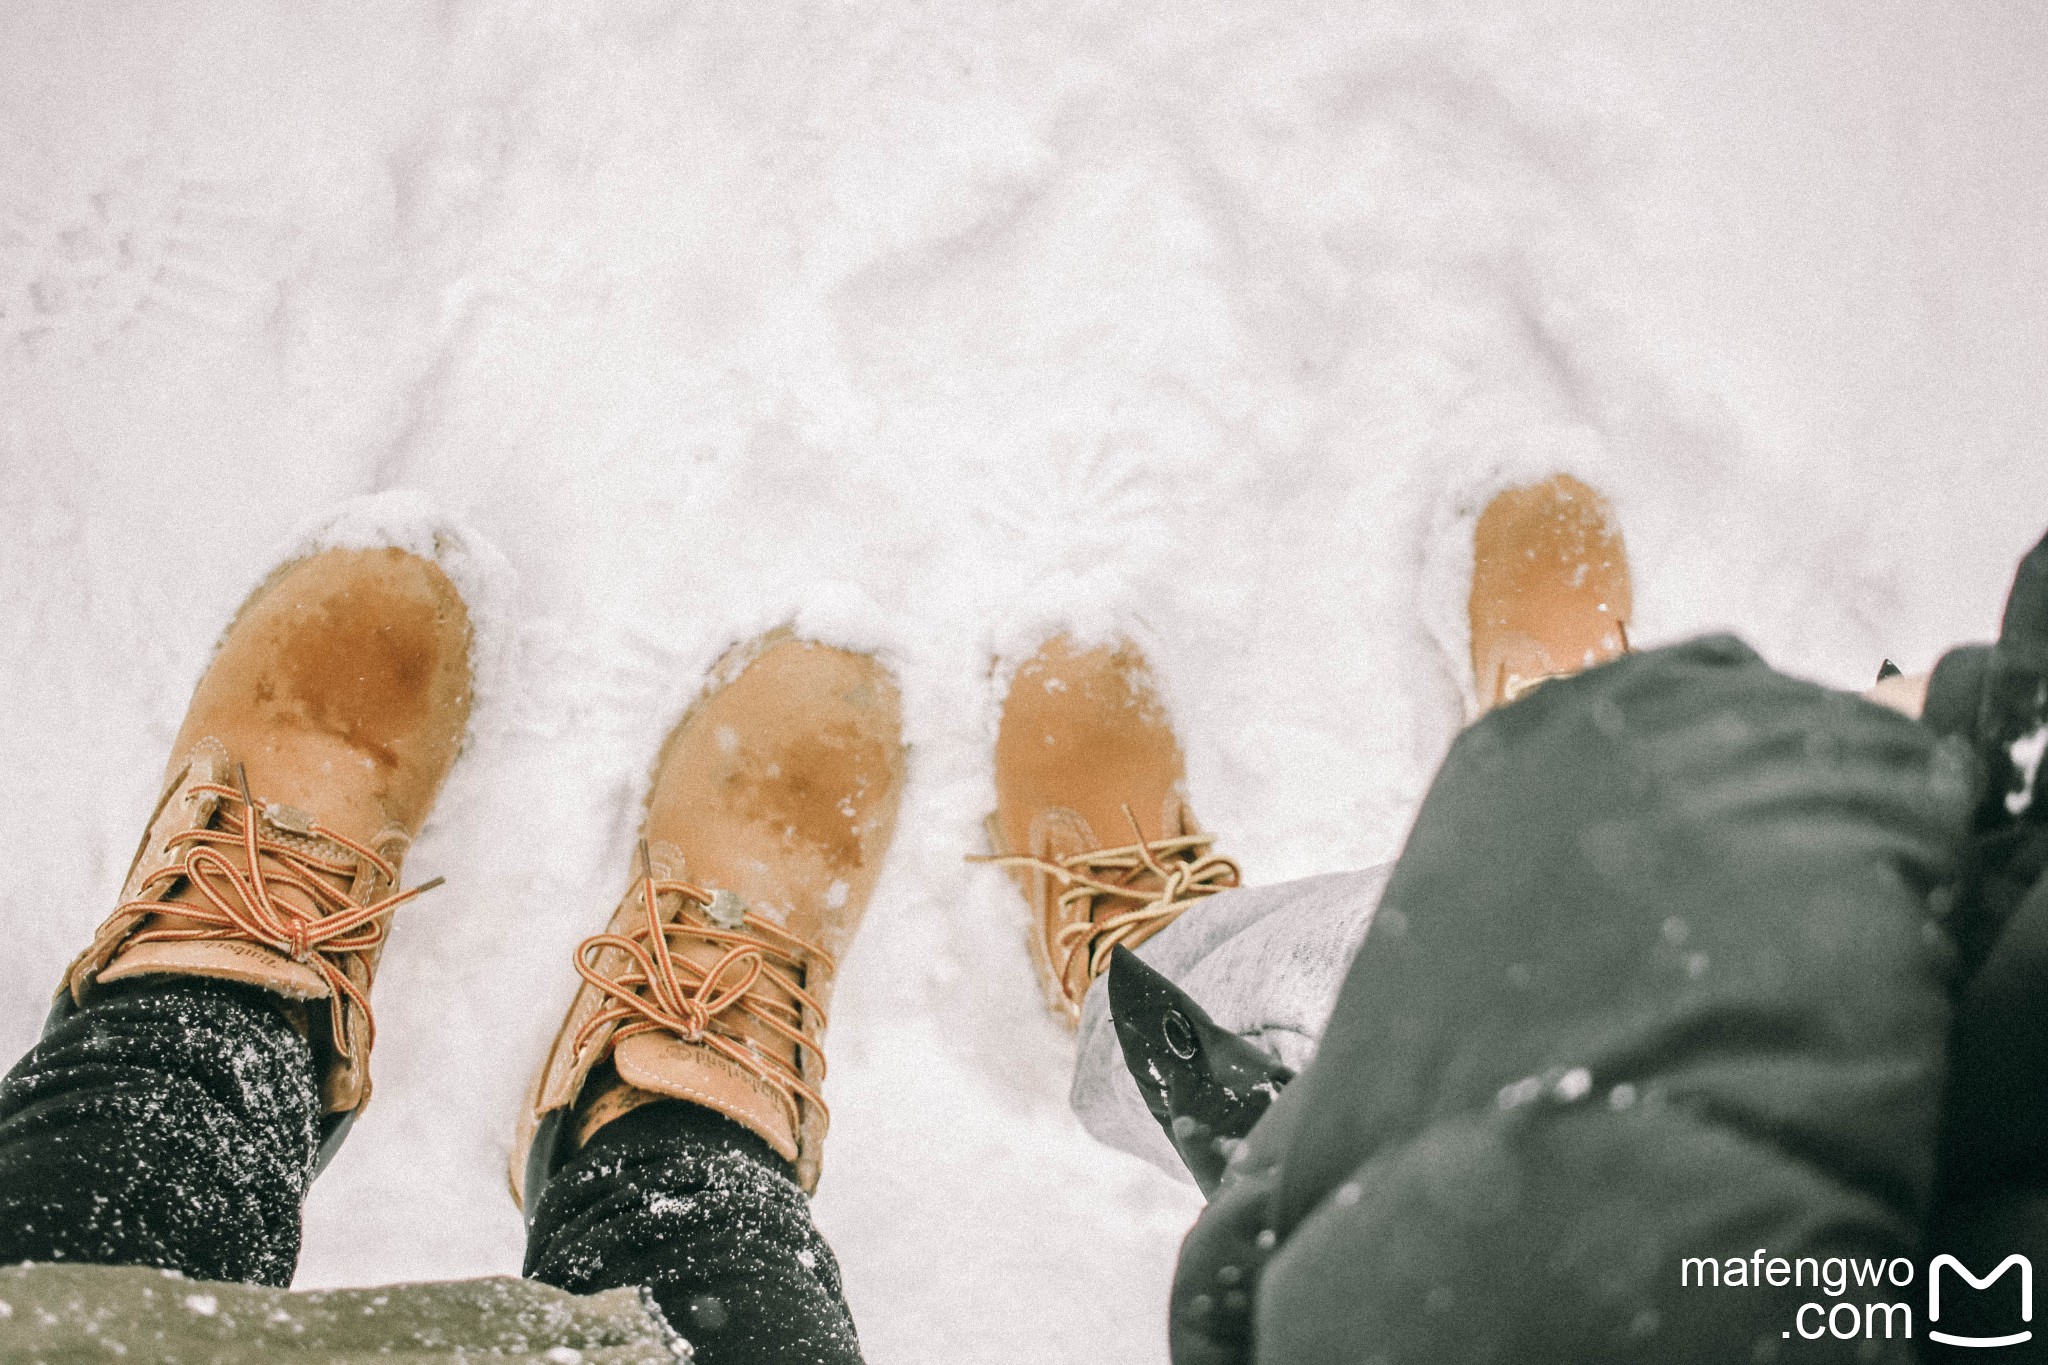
[1865, 1316]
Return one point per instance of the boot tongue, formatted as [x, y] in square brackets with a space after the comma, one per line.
[251, 964]
[667, 1065]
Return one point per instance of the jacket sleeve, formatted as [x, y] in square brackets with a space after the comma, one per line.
[1658, 985]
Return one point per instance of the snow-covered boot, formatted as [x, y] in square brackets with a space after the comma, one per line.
[1550, 587]
[773, 804]
[311, 753]
[1091, 815]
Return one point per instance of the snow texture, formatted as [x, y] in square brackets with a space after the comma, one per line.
[932, 328]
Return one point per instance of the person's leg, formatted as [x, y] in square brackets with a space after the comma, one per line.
[171, 1123]
[675, 1129]
[704, 1215]
[177, 1106]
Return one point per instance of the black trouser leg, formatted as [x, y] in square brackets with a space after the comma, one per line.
[703, 1214]
[173, 1123]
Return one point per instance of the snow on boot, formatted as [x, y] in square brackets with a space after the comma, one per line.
[773, 804]
[311, 753]
[1091, 816]
[1551, 593]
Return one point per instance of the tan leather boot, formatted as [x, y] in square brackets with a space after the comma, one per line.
[1550, 587]
[333, 709]
[1091, 816]
[773, 804]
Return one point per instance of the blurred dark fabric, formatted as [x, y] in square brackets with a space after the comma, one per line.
[1661, 973]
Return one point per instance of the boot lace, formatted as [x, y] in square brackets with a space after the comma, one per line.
[239, 902]
[1157, 880]
[662, 990]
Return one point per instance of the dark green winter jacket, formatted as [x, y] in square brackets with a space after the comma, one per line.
[75, 1314]
[1661, 978]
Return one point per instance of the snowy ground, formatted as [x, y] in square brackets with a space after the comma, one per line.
[932, 325]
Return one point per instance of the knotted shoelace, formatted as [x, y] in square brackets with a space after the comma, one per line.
[240, 904]
[1185, 872]
[662, 990]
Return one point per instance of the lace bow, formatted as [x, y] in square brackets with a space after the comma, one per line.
[1182, 871]
[241, 904]
[663, 990]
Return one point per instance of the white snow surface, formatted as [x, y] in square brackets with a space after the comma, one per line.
[933, 327]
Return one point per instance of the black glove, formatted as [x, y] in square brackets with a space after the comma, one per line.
[1996, 699]
[1204, 1084]
[1994, 1150]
